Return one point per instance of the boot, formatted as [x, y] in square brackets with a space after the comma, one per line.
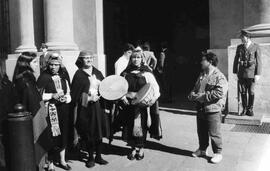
[244, 104]
[250, 105]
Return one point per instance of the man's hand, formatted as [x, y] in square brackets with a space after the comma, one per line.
[200, 97]
[192, 96]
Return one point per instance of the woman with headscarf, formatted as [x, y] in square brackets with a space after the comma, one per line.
[54, 85]
[90, 118]
[27, 94]
[137, 75]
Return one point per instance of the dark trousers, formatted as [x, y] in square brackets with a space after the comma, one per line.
[247, 87]
[208, 125]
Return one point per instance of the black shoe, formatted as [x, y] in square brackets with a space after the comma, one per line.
[139, 157]
[65, 167]
[131, 156]
[90, 163]
[51, 169]
[244, 112]
[250, 112]
[101, 161]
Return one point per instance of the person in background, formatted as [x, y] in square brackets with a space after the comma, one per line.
[165, 72]
[209, 93]
[54, 85]
[247, 66]
[90, 120]
[121, 64]
[149, 57]
[44, 57]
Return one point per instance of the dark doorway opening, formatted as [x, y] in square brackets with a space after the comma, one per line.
[185, 26]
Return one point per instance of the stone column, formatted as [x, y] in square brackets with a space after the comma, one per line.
[101, 62]
[256, 12]
[21, 24]
[58, 16]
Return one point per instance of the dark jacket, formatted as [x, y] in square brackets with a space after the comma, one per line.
[91, 121]
[247, 62]
[215, 95]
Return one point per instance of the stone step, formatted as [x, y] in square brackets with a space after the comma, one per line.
[233, 118]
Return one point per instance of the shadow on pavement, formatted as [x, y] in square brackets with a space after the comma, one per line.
[113, 149]
[164, 148]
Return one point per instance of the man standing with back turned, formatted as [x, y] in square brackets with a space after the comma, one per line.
[247, 66]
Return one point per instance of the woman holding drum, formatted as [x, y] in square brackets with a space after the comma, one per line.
[143, 91]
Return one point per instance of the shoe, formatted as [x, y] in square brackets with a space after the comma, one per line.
[216, 158]
[139, 157]
[244, 112]
[199, 153]
[90, 163]
[131, 156]
[250, 112]
[51, 169]
[101, 161]
[65, 167]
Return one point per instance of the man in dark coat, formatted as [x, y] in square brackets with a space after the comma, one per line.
[247, 65]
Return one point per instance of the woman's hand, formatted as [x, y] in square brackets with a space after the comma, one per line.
[125, 100]
[63, 99]
[56, 96]
[131, 95]
[93, 98]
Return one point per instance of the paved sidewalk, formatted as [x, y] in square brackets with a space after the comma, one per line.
[242, 151]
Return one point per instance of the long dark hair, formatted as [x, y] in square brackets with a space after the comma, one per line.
[23, 65]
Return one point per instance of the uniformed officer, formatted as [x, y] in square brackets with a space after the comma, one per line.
[247, 66]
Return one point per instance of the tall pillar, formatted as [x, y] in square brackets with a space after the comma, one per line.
[21, 25]
[88, 26]
[59, 25]
[101, 63]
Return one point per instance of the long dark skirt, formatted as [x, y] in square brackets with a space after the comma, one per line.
[128, 116]
[60, 142]
[92, 122]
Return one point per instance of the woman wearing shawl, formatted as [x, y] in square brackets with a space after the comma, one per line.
[28, 95]
[54, 85]
[137, 75]
[90, 119]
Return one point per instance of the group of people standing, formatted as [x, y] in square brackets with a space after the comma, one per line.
[54, 91]
[79, 102]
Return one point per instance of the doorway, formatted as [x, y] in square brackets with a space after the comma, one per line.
[185, 27]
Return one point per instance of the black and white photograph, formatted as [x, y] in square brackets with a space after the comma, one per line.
[129, 85]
